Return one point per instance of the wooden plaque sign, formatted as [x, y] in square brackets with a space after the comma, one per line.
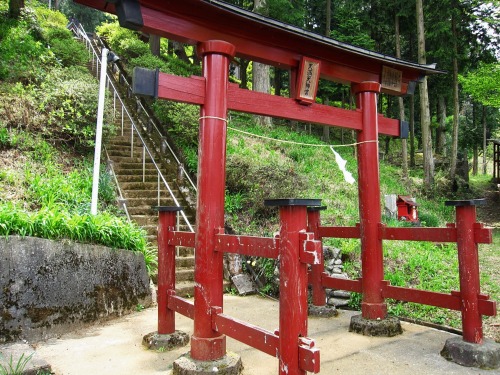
[308, 78]
[391, 78]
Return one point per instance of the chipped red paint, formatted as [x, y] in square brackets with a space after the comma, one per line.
[317, 270]
[166, 271]
[207, 344]
[373, 305]
[468, 265]
[293, 289]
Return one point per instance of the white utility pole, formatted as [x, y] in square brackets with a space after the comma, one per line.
[98, 132]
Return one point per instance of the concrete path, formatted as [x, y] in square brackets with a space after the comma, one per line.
[115, 347]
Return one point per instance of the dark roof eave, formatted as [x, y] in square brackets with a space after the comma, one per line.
[427, 69]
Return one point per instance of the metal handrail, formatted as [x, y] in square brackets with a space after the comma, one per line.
[96, 58]
[152, 122]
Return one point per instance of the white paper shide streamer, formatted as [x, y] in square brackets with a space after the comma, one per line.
[342, 163]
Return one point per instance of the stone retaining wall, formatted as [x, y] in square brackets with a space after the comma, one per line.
[48, 287]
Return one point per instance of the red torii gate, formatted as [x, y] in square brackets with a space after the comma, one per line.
[220, 32]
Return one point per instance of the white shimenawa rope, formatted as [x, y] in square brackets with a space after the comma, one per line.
[213, 118]
[338, 159]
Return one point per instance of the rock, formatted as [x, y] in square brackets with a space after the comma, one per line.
[337, 270]
[341, 294]
[337, 302]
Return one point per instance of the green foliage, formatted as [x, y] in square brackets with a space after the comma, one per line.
[482, 84]
[53, 201]
[66, 49]
[182, 123]
[87, 16]
[122, 41]
[24, 56]
[15, 368]
[67, 98]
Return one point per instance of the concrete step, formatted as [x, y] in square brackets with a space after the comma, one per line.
[151, 230]
[125, 158]
[185, 261]
[145, 219]
[184, 274]
[149, 202]
[139, 185]
[136, 178]
[150, 193]
[184, 288]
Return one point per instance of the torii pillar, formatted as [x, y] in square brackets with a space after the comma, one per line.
[373, 320]
[207, 344]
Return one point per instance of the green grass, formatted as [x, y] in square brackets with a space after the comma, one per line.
[419, 265]
[46, 193]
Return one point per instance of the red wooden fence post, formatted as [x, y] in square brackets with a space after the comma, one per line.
[293, 282]
[207, 344]
[166, 268]
[468, 268]
[373, 305]
[318, 292]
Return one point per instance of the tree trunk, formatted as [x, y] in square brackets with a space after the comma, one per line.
[441, 131]
[154, 44]
[475, 160]
[425, 117]
[15, 7]
[260, 72]
[456, 108]
[485, 133]
[412, 131]
[179, 50]
[278, 86]
[404, 142]
[243, 73]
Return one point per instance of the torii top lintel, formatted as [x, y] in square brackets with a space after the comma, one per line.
[259, 38]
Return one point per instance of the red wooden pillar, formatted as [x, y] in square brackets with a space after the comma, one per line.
[370, 213]
[468, 266]
[166, 269]
[206, 344]
[318, 292]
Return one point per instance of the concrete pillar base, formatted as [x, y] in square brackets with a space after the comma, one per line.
[388, 327]
[156, 341]
[230, 364]
[322, 311]
[485, 356]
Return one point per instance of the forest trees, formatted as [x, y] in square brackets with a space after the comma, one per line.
[458, 35]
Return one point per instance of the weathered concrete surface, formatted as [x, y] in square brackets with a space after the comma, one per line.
[162, 342]
[485, 355]
[49, 287]
[115, 348]
[388, 327]
[230, 364]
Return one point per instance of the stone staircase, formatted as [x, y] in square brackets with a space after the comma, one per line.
[139, 187]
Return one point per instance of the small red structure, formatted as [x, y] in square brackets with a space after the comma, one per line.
[407, 208]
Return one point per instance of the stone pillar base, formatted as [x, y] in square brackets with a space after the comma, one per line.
[156, 341]
[322, 311]
[388, 327]
[485, 356]
[230, 364]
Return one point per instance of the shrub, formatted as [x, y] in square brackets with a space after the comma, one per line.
[69, 52]
[261, 179]
[68, 100]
